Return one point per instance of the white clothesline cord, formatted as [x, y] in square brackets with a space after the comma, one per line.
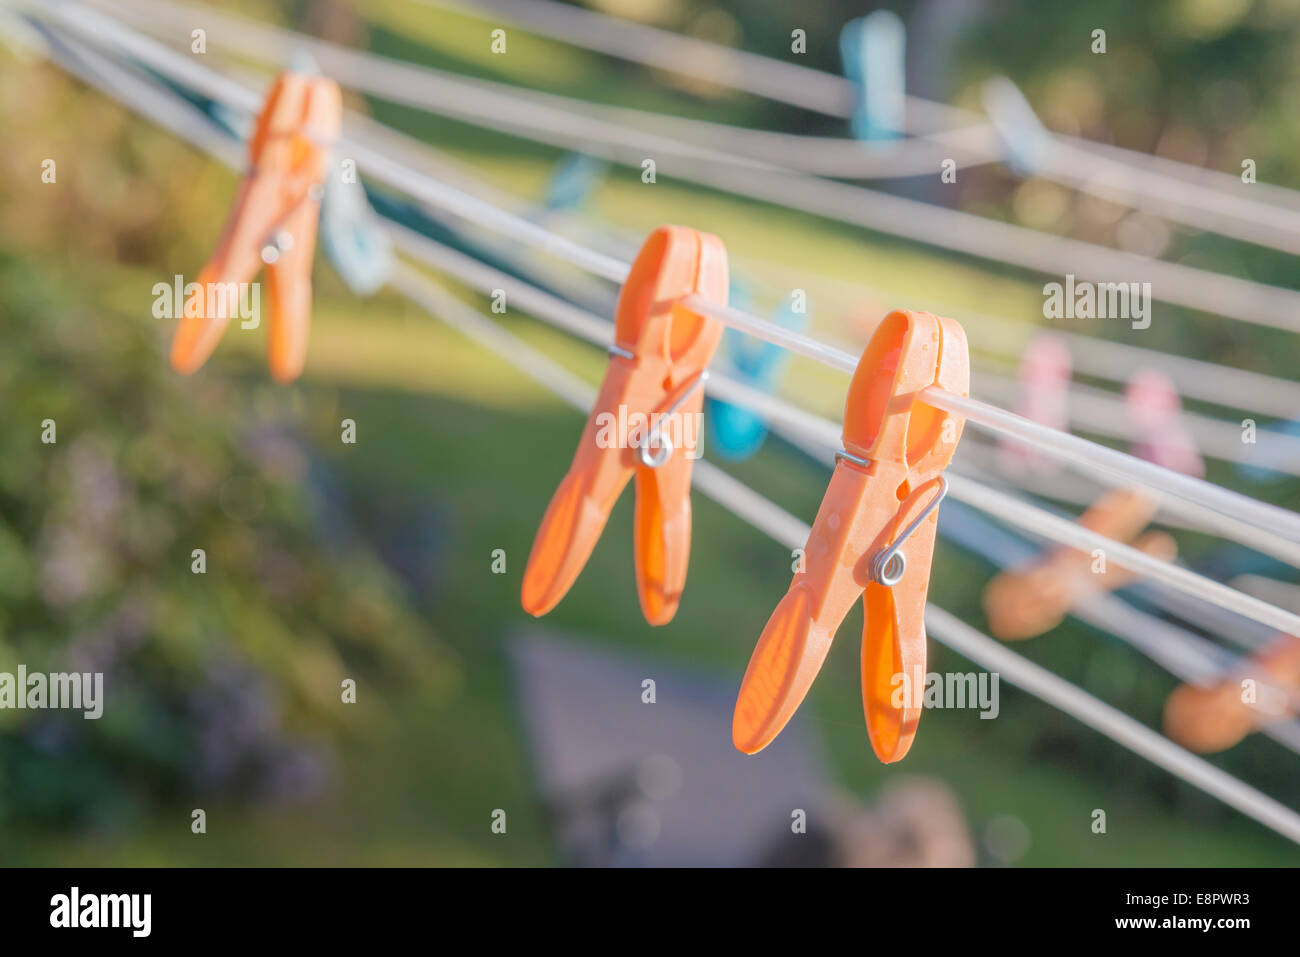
[97, 29]
[520, 114]
[1106, 359]
[1099, 412]
[1097, 458]
[1147, 633]
[1097, 169]
[485, 278]
[844, 362]
[978, 457]
[1099, 358]
[1233, 214]
[834, 95]
[566, 119]
[753, 73]
[467, 207]
[1107, 461]
[1111, 722]
[1183, 654]
[993, 240]
[1011, 509]
[785, 528]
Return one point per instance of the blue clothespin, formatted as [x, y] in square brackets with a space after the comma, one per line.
[736, 432]
[873, 50]
[575, 178]
[351, 234]
[1024, 138]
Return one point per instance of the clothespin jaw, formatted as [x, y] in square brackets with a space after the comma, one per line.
[1027, 601]
[873, 537]
[1216, 716]
[656, 375]
[273, 224]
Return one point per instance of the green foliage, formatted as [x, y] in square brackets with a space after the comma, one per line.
[221, 684]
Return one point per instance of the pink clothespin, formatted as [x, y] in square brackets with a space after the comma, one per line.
[1045, 370]
[1164, 438]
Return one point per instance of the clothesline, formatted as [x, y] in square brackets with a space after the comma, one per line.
[788, 530]
[1109, 169]
[1262, 540]
[826, 434]
[1103, 461]
[1080, 451]
[976, 456]
[594, 329]
[538, 117]
[1094, 411]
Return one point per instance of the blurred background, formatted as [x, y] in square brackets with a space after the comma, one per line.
[374, 561]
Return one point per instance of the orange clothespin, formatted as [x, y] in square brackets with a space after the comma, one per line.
[1218, 716]
[1034, 598]
[873, 536]
[645, 421]
[273, 223]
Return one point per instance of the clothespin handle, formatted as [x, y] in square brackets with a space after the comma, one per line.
[657, 368]
[873, 538]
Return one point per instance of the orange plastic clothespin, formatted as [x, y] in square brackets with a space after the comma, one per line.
[873, 536]
[1034, 598]
[273, 223]
[645, 421]
[1218, 716]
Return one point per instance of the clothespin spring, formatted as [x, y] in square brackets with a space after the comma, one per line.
[281, 240]
[889, 564]
[657, 449]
